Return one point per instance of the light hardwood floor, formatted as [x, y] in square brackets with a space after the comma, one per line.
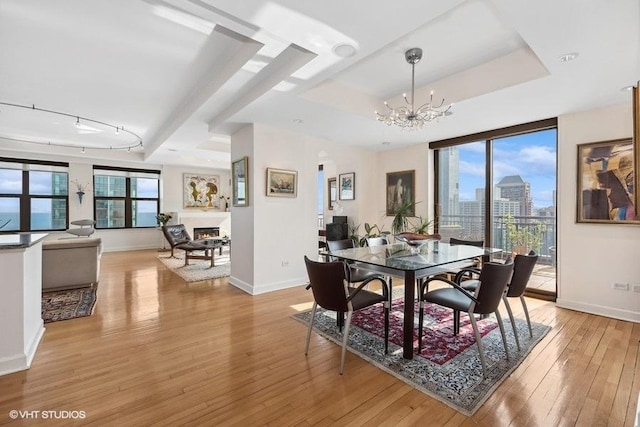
[160, 351]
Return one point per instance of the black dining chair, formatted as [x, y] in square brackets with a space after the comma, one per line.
[326, 280]
[491, 286]
[523, 266]
[354, 274]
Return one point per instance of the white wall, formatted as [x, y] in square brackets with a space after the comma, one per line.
[242, 226]
[591, 257]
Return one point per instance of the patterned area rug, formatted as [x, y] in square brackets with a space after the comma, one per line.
[199, 270]
[448, 368]
[69, 304]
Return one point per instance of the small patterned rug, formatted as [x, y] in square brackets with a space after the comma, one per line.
[448, 368]
[199, 270]
[68, 304]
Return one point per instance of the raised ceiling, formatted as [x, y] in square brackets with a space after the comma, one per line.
[186, 74]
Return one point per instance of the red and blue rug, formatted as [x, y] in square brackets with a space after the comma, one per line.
[448, 368]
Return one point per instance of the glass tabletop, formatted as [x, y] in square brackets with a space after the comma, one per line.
[401, 256]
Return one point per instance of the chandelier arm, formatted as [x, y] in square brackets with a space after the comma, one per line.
[77, 117]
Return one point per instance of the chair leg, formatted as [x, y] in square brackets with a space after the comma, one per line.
[313, 316]
[456, 322]
[479, 343]
[504, 336]
[526, 313]
[345, 339]
[513, 322]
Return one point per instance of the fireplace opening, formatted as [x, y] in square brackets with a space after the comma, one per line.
[206, 232]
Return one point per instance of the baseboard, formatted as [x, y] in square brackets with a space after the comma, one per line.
[20, 362]
[630, 316]
[264, 288]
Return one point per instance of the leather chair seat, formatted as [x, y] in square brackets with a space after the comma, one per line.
[449, 297]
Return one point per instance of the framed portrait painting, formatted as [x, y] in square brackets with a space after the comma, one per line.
[200, 191]
[282, 183]
[347, 186]
[240, 182]
[606, 182]
[400, 190]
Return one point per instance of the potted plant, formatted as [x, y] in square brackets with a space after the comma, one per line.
[371, 230]
[401, 221]
[163, 218]
[522, 238]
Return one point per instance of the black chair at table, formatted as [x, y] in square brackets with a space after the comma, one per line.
[354, 274]
[491, 286]
[326, 280]
[523, 266]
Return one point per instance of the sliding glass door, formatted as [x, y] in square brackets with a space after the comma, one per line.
[502, 189]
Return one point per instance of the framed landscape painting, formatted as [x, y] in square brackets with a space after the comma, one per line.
[400, 190]
[606, 182]
[282, 183]
[240, 182]
[200, 191]
[347, 186]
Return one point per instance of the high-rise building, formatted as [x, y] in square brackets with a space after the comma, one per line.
[515, 189]
[449, 184]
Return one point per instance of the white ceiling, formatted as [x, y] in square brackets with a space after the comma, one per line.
[185, 74]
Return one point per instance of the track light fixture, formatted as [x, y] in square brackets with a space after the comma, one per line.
[80, 126]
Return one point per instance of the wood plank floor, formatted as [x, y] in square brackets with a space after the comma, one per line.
[164, 352]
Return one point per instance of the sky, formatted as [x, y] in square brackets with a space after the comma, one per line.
[532, 156]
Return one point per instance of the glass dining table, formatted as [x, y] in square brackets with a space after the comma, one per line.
[411, 264]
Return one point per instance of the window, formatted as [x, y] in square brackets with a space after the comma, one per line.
[499, 186]
[33, 195]
[126, 198]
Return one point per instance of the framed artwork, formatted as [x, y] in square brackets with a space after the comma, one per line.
[240, 182]
[347, 186]
[200, 191]
[400, 190]
[606, 182]
[636, 145]
[332, 189]
[282, 183]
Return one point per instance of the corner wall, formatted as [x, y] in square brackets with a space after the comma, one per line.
[591, 257]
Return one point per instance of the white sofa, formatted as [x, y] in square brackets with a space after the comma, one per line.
[71, 263]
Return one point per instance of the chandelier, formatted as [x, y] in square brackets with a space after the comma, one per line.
[407, 116]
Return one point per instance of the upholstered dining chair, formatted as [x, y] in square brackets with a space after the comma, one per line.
[491, 286]
[327, 282]
[377, 241]
[523, 266]
[354, 274]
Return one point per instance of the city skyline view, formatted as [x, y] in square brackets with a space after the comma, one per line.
[532, 156]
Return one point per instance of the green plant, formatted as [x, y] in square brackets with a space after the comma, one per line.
[423, 226]
[524, 235]
[400, 221]
[371, 230]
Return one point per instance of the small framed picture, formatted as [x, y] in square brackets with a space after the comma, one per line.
[240, 181]
[282, 183]
[347, 186]
[332, 192]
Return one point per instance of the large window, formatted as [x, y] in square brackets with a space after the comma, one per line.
[126, 198]
[33, 195]
[499, 187]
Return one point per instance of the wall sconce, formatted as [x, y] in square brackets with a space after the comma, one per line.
[80, 195]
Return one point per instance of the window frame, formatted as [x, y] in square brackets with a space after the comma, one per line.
[25, 197]
[128, 174]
